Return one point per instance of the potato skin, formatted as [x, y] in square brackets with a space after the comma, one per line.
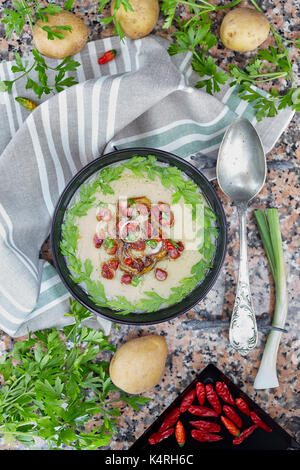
[139, 364]
[60, 48]
[140, 22]
[244, 29]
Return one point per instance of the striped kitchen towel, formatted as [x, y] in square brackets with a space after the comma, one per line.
[142, 98]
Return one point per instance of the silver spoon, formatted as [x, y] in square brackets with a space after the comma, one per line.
[241, 173]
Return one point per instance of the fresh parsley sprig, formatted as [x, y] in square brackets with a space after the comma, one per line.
[32, 12]
[195, 35]
[55, 382]
[14, 21]
[268, 65]
[113, 18]
[42, 85]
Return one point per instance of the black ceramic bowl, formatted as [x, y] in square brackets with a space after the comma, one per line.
[139, 318]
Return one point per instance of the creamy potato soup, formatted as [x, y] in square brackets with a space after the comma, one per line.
[139, 236]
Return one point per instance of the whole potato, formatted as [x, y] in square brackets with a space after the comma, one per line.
[139, 364]
[140, 22]
[56, 48]
[244, 29]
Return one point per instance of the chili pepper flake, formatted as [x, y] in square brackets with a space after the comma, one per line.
[107, 56]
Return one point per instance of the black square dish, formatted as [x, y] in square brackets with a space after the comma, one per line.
[277, 439]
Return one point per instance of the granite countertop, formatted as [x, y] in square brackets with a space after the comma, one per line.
[201, 335]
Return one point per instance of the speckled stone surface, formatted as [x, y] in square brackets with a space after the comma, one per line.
[201, 335]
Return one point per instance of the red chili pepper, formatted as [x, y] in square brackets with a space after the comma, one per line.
[107, 57]
[203, 411]
[206, 426]
[223, 392]
[187, 401]
[170, 419]
[200, 391]
[126, 279]
[140, 245]
[169, 245]
[232, 414]
[230, 426]
[97, 241]
[113, 264]
[242, 406]
[205, 436]
[161, 274]
[160, 435]
[180, 433]
[180, 246]
[213, 399]
[246, 433]
[107, 272]
[259, 422]
[174, 254]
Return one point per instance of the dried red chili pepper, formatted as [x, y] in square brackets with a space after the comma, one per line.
[107, 57]
[242, 406]
[224, 393]
[200, 392]
[160, 435]
[187, 401]
[180, 433]
[230, 426]
[213, 399]
[203, 411]
[205, 436]
[259, 422]
[170, 419]
[206, 426]
[232, 414]
[246, 433]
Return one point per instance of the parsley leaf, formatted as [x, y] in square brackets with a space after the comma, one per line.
[55, 382]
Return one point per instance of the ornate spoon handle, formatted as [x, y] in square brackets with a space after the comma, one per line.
[243, 328]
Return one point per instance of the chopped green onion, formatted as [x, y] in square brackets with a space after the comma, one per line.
[151, 243]
[108, 243]
[135, 280]
[175, 244]
[269, 230]
[131, 202]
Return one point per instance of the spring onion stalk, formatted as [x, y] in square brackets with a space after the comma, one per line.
[269, 230]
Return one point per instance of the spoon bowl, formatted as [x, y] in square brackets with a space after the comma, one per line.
[241, 173]
[241, 165]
